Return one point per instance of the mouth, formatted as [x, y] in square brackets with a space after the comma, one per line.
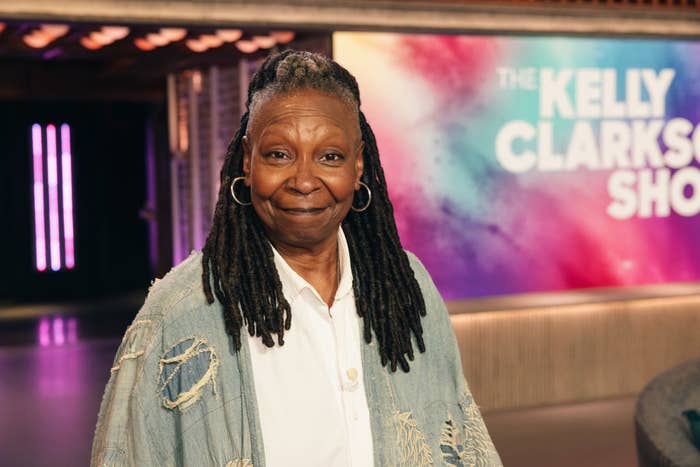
[303, 211]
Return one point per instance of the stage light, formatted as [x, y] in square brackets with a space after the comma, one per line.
[44, 331]
[197, 81]
[67, 192]
[115, 32]
[37, 39]
[195, 45]
[55, 30]
[229, 35]
[282, 37]
[143, 44]
[57, 215]
[59, 336]
[101, 38]
[88, 43]
[264, 42]
[2, 27]
[52, 179]
[247, 47]
[157, 39]
[39, 227]
[173, 34]
[211, 41]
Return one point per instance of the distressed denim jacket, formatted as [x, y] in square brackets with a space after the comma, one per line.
[179, 394]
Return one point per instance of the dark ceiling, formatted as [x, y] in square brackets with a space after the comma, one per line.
[67, 69]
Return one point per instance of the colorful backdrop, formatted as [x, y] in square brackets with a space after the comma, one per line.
[521, 164]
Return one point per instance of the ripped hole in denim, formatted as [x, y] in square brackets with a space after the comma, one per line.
[186, 369]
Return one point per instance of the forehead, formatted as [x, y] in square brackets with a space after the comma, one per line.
[280, 110]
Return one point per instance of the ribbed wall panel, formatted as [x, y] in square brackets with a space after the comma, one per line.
[531, 357]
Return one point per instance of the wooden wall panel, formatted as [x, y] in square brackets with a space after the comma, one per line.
[531, 357]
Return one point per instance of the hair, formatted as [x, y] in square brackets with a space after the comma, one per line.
[238, 260]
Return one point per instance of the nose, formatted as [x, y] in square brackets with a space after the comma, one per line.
[304, 180]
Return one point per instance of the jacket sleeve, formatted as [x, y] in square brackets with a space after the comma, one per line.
[122, 436]
[465, 438]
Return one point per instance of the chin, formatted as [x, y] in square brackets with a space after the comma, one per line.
[309, 236]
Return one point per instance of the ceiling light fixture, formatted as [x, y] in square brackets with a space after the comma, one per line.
[100, 38]
[143, 44]
[88, 43]
[173, 34]
[115, 32]
[211, 41]
[283, 37]
[247, 47]
[229, 35]
[37, 39]
[195, 45]
[157, 39]
[264, 42]
[55, 30]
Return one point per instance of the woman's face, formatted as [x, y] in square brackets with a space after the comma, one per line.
[303, 162]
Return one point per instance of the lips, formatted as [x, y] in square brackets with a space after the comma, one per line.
[306, 211]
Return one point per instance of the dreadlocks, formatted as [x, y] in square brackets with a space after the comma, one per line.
[240, 260]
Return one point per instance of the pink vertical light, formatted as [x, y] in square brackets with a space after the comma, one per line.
[59, 336]
[52, 173]
[44, 336]
[67, 186]
[39, 228]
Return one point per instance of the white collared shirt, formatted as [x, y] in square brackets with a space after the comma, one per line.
[310, 392]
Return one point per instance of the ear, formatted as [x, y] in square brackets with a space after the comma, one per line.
[359, 163]
[246, 159]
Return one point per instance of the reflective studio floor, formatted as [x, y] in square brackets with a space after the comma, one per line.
[54, 365]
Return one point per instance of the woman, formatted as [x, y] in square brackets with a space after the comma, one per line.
[304, 255]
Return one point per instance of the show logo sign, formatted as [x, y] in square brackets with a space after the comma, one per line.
[617, 122]
[537, 164]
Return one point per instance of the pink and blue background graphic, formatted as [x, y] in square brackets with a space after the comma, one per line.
[436, 106]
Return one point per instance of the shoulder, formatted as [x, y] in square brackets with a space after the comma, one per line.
[178, 294]
[436, 323]
[425, 282]
[180, 283]
[170, 300]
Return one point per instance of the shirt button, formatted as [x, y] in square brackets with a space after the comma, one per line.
[352, 382]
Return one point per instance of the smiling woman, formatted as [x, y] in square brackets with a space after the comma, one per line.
[303, 162]
[317, 241]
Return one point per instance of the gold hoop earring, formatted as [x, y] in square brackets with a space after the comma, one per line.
[369, 199]
[233, 192]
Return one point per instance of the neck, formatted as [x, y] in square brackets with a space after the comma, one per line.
[318, 265]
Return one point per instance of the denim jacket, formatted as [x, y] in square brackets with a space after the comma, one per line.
[179, 394]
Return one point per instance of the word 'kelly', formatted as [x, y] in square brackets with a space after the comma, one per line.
[595, 93]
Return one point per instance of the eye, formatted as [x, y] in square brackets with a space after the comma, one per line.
[276, 155]
[332, 157]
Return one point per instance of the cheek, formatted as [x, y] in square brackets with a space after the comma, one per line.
[343, 188]
[343, 185]
[262, 184]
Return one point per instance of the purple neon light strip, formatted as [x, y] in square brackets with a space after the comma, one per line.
[52, 169]
[39, 228]
[59, 335]
[67, 186]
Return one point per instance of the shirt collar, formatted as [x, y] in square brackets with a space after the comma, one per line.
[293, 284]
